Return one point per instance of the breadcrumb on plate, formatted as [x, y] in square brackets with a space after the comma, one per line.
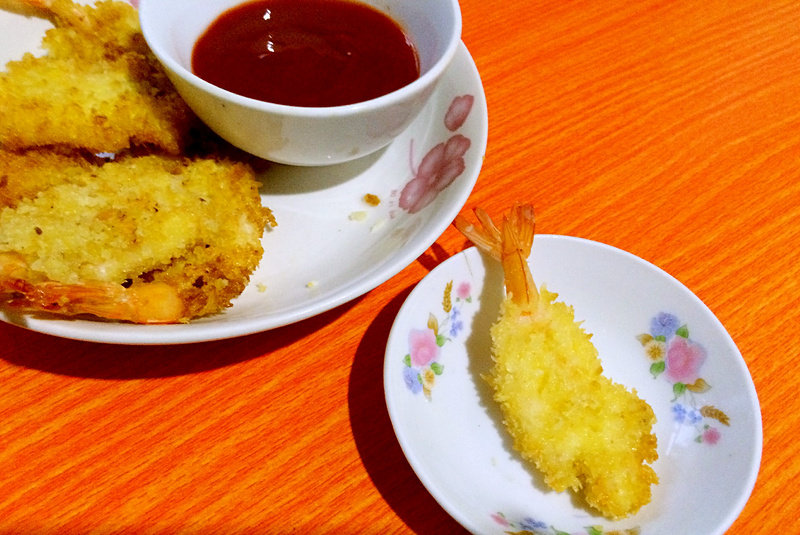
[358, 215]
[372, 199]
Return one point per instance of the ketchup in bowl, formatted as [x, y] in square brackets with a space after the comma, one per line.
[311, 53]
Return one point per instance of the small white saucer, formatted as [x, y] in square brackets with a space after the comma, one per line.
[643, 320]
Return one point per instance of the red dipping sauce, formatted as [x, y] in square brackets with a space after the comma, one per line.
[312, 53]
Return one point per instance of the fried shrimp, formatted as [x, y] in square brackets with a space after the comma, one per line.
[97, 88]
[145, 239]
[580, 429]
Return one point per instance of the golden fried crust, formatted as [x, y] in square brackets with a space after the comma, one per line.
[98, 88]
[24, 174]
[194, 224]
[580, 429]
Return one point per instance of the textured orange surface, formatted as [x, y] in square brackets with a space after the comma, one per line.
[668, 129]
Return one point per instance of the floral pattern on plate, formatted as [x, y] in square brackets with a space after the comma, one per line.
[532, 526]
[678, 359]
[422, 362]
[442, 164]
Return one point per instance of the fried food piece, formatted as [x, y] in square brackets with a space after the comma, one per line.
[98, 88]
[580, 429]
[23, 175]
[147, 239]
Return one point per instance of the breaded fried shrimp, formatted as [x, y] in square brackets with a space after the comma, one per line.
[152, 230]
[98, 88]
[580, 429]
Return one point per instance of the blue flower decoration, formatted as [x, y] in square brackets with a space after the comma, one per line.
[411, 380]
[455, 322]
[680, 412]
[531, 524]
[694, 416]
[664, 324]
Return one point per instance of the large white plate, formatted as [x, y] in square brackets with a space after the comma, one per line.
[709, 444]
[330, 246]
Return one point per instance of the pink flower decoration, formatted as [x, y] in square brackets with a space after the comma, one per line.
[683, 361]
[711, 435]
[422, 346]
[458, 111]
[500, 519]
[463, 290]
[438, 169]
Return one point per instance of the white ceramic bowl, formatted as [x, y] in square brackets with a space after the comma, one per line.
[302, 135]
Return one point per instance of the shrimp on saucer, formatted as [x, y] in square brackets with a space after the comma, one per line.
[580, 429]
[148, 239]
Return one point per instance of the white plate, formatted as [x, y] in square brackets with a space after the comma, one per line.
[330, 246]
[452, 434]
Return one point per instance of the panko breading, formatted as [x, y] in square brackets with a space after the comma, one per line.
[109, 233]
[98, 88]
[23, 175]
[580, 429]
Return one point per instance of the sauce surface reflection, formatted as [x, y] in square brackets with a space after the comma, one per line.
[312, 53]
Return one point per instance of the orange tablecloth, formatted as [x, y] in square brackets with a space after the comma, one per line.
[668, 129]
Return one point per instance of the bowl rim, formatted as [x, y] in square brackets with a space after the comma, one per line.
[148, 9]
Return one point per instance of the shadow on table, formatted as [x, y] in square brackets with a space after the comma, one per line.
[375, 439]
[118, 362]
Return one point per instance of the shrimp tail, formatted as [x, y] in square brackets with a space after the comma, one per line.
[511, 246]
[516, 250]
[147, 303]
[154, 302]
[487, 237]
